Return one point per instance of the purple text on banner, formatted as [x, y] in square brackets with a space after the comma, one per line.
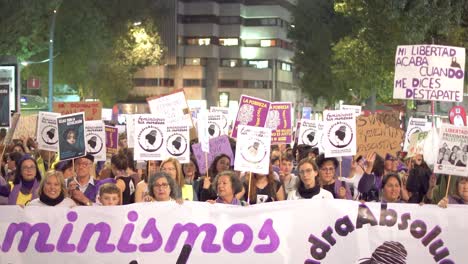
[252, 112]
[218, 145]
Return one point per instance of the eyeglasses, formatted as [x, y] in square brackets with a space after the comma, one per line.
[327, 169]
[161, 186]
[306, 171]
[32, 167]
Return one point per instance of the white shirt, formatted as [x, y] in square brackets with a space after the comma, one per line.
[67, 202]
[322, 194]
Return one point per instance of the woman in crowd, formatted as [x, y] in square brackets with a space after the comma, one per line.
[162, 187]
[26, 183]
[13, 159]
[227, 185]
[391, 189]
[142, 193]
[172, 167]
[52, 191]
[460, 196]
[263, 188]
[327, 169]
[203, 188]
[66, 168]
[191, 171]
[308, 187]
[125, 182]
[417, 184]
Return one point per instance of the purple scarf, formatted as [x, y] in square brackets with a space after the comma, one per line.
[13, 197]
[235, 201]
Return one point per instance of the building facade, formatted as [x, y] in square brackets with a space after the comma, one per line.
[232, 47]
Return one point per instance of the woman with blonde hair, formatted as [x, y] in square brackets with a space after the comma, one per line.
[172, 167]
[52, 191]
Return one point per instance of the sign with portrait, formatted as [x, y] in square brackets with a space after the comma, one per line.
[253, 154]
[177, 143]
[71, 136]
[149, 137]
[453, 151]
[47, 135]
[252, 112]
[95, 137]
[216, 125]
[339, 133]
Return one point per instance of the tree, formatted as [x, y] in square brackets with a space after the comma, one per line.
[362, 59]
[98, 47]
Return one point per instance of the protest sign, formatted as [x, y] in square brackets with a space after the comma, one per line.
[415, 125]
[280, 122]
[178, 142]
[200, 233]
[416, 145]
[47, 133]
[390, 118]
[71, 136]
[149, 137]
[5, 111]
[253, 155]
[202, 130]
[453, 151]
[112, 140]
[130, 128]
[26, 126]
[172, 106]
[92, 110]
[429, 72]
[217, 146]
[216, 124]
[310, 133]
[378, 137]
[355, 108]
[252, 112]
[95, 137]
[457, 116]
[226, 118]
[339, 133]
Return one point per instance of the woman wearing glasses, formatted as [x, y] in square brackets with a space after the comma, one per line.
[172, 167]
[308, 187]
[26, 184]
[162, 187]
[327, 178]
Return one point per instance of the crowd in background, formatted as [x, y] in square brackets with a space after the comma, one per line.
[37, 177]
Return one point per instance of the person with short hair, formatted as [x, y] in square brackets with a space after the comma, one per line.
[163, 188]
[391, 189]
[287, 178]
[226, 184]
[110, 194]
[83, 188]
[52, 191]
[327, 178]
[125, 183]
[460, 196]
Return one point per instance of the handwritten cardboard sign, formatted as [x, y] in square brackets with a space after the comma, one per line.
[378, 137]
[92, 110]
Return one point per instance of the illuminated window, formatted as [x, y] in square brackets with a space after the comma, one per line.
[285, 66]
[229, 41]
[204, 41]
[192, 61]
[259, 64]
[230, 63]
[267, 43]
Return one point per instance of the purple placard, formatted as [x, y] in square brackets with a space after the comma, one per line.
[112, 135]
[252, 112]
[218, 145]
[279, 120]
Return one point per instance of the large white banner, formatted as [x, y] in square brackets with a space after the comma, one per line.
[453, 151]
[95, 137]
[302, 231]
[339, 133]
[253, 149]
[429, 72]
[47, 131]
[415, 125]
[149, 137]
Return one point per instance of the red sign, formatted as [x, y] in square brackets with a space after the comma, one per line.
[93, 110]
[457, 116]
[34, 83]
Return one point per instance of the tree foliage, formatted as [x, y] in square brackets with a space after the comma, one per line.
[98, 48]
[362, 57]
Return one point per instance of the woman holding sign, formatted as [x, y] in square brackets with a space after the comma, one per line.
[460, 196]
[263, 189]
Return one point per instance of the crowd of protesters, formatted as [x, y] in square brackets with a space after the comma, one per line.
[38, 178]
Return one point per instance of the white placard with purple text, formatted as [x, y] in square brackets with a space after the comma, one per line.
[339, 133]
[47, 132]
[149, 137]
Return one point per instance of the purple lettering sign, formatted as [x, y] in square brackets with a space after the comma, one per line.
[112, 135]
[218, 145]
[252, 112]
[279, 120]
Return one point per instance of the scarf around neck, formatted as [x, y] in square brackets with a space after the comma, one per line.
[308, 193]
[49, 201]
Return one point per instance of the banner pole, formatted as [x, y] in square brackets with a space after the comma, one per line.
[448, 186]
[206, 164]
[250, 186]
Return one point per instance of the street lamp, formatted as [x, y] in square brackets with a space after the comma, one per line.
[51, 57]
